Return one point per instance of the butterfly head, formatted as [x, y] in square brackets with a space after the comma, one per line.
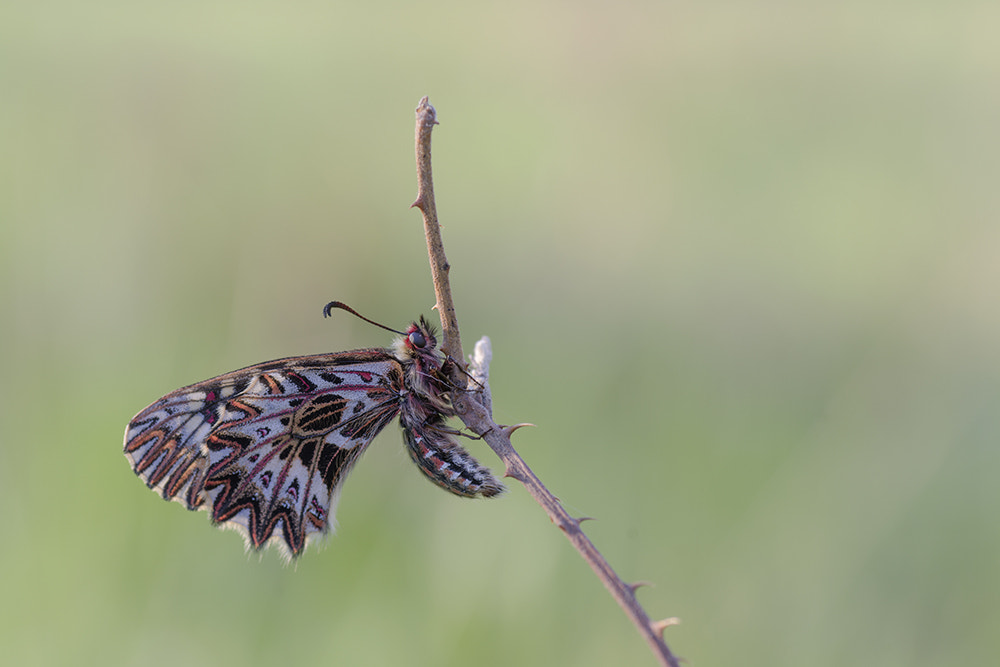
[418, 341]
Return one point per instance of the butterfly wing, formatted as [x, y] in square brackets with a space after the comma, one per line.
[266, 449]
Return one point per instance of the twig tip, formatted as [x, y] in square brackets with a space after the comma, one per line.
[427, 111]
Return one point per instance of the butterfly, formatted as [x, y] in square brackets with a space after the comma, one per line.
[265, 449]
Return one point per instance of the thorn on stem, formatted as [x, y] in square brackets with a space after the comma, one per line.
[509, 430]
[663, 624]
[636, 585]
[585, 518]
[514, 474]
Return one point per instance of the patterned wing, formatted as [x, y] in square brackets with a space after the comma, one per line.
[266, 449]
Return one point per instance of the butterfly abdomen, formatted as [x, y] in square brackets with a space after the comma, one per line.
[444, 462]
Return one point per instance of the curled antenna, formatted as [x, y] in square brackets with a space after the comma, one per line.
[343, 306]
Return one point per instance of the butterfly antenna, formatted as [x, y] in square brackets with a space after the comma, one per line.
[343, 306]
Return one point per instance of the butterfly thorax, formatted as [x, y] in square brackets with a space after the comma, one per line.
[428, 389]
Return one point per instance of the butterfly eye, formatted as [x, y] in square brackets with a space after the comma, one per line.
[417, 339]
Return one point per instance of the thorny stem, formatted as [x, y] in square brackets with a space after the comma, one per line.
[477, 412]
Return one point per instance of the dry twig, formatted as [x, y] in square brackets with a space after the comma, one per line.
[475, 409]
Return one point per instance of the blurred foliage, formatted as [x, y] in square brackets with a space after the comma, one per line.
[739, 262]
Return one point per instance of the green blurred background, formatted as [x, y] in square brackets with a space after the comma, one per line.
[739, 262]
